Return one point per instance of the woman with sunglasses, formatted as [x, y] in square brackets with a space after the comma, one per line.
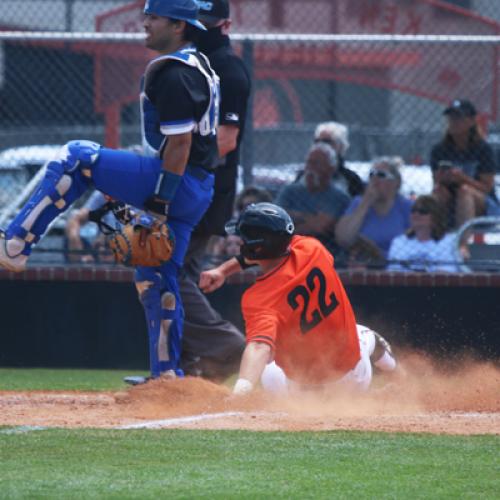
[372, 220]
[425, 246]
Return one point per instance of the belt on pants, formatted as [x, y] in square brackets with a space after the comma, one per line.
[199, 172]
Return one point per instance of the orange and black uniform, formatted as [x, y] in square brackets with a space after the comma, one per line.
[302, 311]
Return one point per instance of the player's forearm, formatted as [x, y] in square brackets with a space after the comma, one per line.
[254, 360]
[227, 139]
[230, 267]
[176, 154]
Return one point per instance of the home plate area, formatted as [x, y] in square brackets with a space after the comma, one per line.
[463, 402]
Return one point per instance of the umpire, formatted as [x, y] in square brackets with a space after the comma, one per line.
[212, 346]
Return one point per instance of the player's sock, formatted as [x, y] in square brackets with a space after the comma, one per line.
[386, 363]
[382, 356]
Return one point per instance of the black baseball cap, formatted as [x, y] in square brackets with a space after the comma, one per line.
[212, 11]
[460, 108]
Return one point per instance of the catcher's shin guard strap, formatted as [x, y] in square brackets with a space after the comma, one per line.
[27, 236]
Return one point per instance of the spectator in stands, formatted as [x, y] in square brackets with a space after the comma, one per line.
[314, 201]
[463, 167]
[225, 248]
[373, 219]
[249, 195]
[425, 246]
[83, 235]
[337, 135]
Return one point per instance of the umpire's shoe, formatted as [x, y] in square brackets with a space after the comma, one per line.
[10, 254]
[382, 356]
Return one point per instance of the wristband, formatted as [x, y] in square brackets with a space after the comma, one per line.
[167, 185]
[242, 386]
[242, 262]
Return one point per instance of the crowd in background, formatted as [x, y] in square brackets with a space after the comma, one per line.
[368, 223]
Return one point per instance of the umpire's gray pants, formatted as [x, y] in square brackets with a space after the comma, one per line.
[211, 346]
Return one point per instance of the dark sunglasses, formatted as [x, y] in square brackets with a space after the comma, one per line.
[381, 174]
[421, 211]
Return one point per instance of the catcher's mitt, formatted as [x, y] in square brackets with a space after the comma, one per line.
[145, 241]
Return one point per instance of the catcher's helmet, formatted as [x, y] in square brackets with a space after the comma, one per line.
[266, 231]
[183, 10]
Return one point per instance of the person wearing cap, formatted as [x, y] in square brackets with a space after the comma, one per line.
[212, 346]
[171, 180]
[463, 166]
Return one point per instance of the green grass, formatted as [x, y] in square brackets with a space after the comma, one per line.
[236, 464]
[119, 464]
[12, 379]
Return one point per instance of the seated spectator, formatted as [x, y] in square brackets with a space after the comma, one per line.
[249, 195]
[225, 247]
[84, 242]
[372, 220]
[337, 135]
[425, 246]
[313, 201]
[463, 167]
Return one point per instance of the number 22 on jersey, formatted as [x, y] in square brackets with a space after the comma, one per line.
[313, 294]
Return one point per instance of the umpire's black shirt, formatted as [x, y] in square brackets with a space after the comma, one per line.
[235, 87]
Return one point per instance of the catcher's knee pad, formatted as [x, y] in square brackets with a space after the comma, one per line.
[168, 305]
[79, 154]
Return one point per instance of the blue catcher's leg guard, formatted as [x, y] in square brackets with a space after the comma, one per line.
[160, 298]
[64, 182]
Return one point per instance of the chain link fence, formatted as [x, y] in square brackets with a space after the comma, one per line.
[385, 69]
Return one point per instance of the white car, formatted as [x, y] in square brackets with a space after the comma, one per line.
[18, 166]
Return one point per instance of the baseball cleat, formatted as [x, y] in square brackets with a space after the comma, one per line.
[382, 356]
[8, 248]
[136, 380]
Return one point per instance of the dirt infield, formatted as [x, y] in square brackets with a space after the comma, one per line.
[425, 400]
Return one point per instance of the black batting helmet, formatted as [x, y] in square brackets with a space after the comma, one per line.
[266, 231]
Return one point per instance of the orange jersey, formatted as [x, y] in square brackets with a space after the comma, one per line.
[302, 311]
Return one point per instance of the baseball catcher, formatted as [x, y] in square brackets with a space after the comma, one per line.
[174, 175]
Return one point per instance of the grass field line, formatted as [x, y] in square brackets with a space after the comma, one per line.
[169, 422]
